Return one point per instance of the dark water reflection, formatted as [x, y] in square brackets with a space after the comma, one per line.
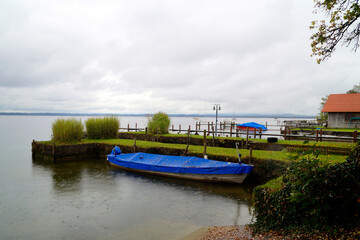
[124, 203]
[91, 200]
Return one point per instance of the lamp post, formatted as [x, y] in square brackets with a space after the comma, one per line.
[216, 108]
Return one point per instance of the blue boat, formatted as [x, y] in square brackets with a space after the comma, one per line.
[252, 126]
[193, 168]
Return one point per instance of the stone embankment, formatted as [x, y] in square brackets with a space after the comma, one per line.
[264, 170]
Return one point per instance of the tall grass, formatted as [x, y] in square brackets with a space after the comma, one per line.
[101, 128]
[160, 121]
[67, 130]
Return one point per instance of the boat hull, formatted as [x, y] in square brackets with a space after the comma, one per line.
[215, 178]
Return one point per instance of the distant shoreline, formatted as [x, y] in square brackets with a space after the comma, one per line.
[250, 115]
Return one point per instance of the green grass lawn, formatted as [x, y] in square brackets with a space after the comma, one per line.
[230, 152]
[329, 129]
[282, 142]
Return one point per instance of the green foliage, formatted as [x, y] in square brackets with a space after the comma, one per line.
[323, 115]
[355, 89]
[312, 196]
[343, 24]
[101, 128]
[160, 121]
[67, 130]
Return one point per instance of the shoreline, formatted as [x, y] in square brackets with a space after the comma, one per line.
[243, 232]
[232, 232]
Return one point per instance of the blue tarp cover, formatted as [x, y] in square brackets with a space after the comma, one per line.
[252, 125]
[176, 164]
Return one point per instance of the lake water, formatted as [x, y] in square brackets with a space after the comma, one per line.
[91, 200]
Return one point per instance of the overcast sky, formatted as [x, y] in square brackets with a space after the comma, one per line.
[178, 56]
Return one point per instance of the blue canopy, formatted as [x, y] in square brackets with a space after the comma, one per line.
[176, 164]
[252, 125]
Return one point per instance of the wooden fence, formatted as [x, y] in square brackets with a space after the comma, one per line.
[230, 130]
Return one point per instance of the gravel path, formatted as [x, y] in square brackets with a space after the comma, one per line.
[244, 233]
[237, 233]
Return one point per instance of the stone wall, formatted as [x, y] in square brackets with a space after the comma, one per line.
[264, 170]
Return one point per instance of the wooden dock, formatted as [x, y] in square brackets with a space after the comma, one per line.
[228, 129]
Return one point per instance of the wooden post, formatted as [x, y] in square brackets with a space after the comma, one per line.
[231, 130]
[237, 132]
[266, 124]
[247, 137]
[179, 128]
[320, 134]
[134, 145]
[285, 133]
[254, 132]
[317, 135]
[146, 134]
[172, 128]
[136, 127]
[289, 137]
[213, 133]
[250, 152]
[260, 133]
[355, 133]
[204, 143]
[208, 127]
[196, 128]
[128, 127]
[188, 141]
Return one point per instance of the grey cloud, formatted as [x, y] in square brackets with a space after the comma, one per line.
[143, 56]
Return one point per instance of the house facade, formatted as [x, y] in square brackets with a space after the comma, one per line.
[343, 110]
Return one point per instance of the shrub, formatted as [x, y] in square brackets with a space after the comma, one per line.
[67, 130]
[159, 121]
[101, 128]
[311, 196]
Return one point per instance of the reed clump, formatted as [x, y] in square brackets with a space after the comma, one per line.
[67, 130]
[102, 128]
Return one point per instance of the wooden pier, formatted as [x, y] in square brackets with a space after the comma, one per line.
[228, 129]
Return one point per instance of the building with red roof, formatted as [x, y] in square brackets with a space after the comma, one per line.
[343, 110]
